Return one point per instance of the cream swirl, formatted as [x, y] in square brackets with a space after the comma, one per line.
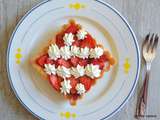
[77, 71]
[96, 52]
[81, 34]
[84, 53]
[50, 69]
[54, 52]
[63, 72]
[75, 51]
[92, 71]
[80, 88]
[65, 52]
[65, 87]
[68, 39]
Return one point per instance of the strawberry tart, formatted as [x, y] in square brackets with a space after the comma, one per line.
[73, 61]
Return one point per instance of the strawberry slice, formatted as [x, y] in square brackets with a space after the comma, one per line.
[49, 61]
[73, 28]
[76, 43]
[42, 60]
[63, 62]
[74, 61]
[98, 62]
[88, 42]
[86, 81]
[73, 84]
[83, 62]
[59, 40]
[105, 57]
[55, 82]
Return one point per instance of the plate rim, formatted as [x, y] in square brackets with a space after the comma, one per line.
[129, 28]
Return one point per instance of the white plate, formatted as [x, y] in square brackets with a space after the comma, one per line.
[106, 24]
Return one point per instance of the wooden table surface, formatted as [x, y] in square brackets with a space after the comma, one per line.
[142, 15]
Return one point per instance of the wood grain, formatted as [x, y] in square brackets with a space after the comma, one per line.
[143, 16]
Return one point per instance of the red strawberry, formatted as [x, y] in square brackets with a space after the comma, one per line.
[88, 42]
[76, 43]
[55, 82]
[74, 61]
[63, 62]
[59, 40]
[104, 57]
[73, 84]
[49, 61]
[83, 62]
[72, 29]
[98, 62]
[86, 81]
[42, 60]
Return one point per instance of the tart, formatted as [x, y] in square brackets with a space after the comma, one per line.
[73, 61]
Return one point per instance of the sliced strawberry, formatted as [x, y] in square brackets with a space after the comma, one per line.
[98, 62]
[49, 61]
[73, 28]
[59, 40]
[73, 84]
[76, 43]
[88, 42]
[103, 58]
[63, 62]
[55, 82]
[93, 81]
[86, 81]
[74, 61]
[83, 62]
[106, 56]
[42, 60]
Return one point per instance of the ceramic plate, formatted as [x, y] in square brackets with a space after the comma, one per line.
[106, 24]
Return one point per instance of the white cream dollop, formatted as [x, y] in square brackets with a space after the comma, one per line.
[84, 53]
[50, 69]
[65, 52]
[65, 87]
[92, 71]
[81, 34]
[75, 51]
[63, 72]
[54, 52]
[96, 52]
[68, 39]
[78, 71]
[80, 88]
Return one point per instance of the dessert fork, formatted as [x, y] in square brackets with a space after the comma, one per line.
[149, 52]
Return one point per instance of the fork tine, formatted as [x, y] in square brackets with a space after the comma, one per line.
[146, 39]
[155, 44]
[150, 44]
[147, 36]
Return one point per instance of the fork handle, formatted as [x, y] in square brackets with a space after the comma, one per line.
[142, 98]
